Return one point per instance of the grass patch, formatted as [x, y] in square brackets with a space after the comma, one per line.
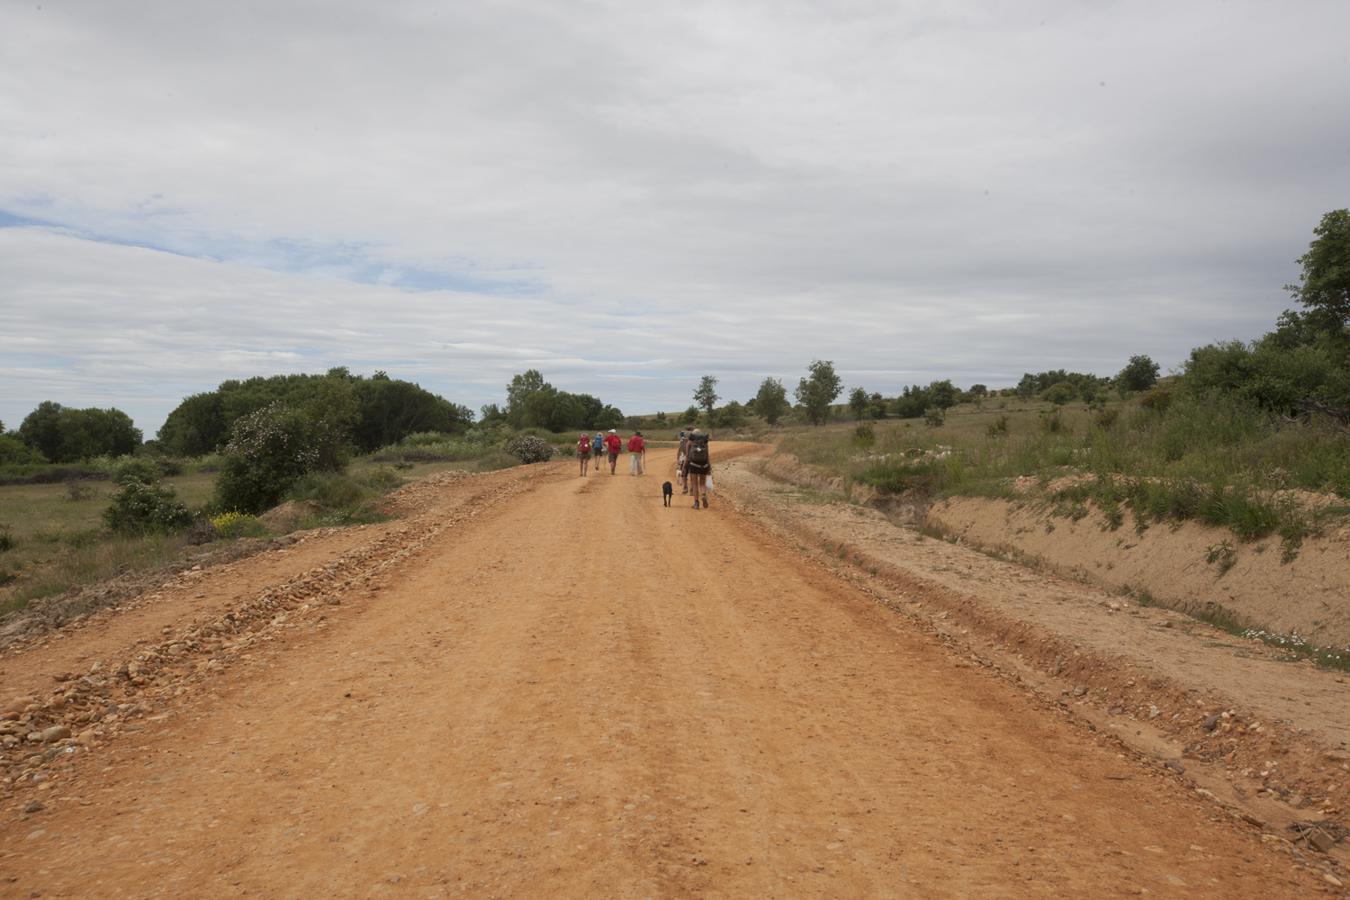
[1213, 461]
[83, 563]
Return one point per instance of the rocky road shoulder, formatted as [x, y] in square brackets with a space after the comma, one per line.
[122, 669]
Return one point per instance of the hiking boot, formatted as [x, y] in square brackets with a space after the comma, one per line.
[705, 501]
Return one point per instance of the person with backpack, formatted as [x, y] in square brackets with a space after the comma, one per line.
[698, 466]
[613, 444]
[637, 450]
[584, 452]
[598, 450]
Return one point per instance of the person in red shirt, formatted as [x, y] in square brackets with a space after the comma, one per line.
[613, 444]
[584, 453]
[637, 454]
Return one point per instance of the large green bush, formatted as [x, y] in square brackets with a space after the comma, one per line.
[269, 450]
[145, 507]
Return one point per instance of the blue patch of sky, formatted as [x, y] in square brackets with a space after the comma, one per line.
[349, 260]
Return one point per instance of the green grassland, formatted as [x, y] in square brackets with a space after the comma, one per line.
[57, 539]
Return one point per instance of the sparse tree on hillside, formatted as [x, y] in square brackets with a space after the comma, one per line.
[818, 390]
[771, 401]
[857, 402]
[690, 416]
[1060, 393]
[1139, 374]
[877, 406]
[1324, 286]
[944, 394]
[706, 394]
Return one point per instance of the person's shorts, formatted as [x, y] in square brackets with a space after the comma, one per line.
[694, 468]
[614, 457]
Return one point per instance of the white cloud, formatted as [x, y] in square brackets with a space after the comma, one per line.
[626, 189]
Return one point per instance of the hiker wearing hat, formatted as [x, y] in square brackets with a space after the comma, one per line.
[637, 452]
[598, 450]
[613, 444]
[584, 452]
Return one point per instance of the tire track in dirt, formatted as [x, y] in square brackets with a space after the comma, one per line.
[587, 694]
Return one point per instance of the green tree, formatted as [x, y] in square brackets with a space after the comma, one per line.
[1139, 374]
[62, 434]
[14, 452]
[818, 390]
[857, 402]
[1324, 286]
[912, 402]
[389, 410]
[1059, 393]
[518, 393]
[690, 416]
[944, 394]
[771, 401]
[1027, 387]
[41, 429]
[705, 395]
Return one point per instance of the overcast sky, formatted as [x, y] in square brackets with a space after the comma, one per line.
[628, 195]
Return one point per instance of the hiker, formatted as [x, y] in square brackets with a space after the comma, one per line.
[679, 463]
[637, 451]
[584, 452]
[613, 444]
[698, 466]
[598, 450]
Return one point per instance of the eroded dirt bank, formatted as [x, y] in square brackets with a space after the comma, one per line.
[664, 702]
[1188, 566]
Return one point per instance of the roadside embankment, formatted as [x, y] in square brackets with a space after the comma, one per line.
[1194, 568]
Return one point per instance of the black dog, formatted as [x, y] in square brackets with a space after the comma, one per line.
[667, 491]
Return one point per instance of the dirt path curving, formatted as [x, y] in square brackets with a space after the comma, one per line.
[581, 693]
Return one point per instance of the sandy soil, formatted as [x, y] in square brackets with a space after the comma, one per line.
[566, 689]
[1308, 595]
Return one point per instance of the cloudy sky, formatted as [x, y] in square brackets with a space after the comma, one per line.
[628, 195]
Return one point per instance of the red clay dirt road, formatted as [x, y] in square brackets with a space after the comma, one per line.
[580, 693]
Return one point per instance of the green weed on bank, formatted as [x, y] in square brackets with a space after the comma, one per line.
[1211, 460]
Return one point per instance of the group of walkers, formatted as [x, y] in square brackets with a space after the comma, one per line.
[693, 467]
[612, 445]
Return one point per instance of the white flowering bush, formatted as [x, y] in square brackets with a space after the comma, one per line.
[270, 449]
[530, 449]
[141, 507]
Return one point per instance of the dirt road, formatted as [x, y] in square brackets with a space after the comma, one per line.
[579, 693]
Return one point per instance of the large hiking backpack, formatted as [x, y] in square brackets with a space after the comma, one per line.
[698, 449]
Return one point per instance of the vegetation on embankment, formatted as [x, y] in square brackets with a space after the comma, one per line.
[1209, 459]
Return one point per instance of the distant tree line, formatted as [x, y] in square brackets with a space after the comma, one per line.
[531, 402]
[377, 411]
[61, 434]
